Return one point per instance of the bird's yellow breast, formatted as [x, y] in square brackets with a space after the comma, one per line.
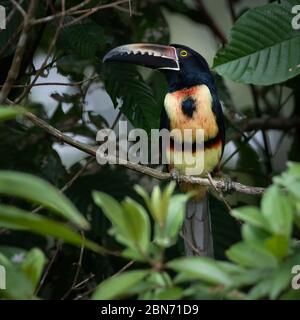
[203, 116]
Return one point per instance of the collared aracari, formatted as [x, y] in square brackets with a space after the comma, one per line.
[191, 103]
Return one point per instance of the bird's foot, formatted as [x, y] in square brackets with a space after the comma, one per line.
[229, 186]
[228, 183]
[175, 175]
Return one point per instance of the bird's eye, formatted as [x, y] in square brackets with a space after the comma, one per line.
[183, 53]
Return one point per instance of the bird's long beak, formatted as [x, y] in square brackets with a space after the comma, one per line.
[153, 56]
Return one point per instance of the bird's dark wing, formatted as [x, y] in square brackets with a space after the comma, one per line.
[217, 110]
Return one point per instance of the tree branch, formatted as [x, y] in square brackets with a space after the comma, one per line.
[67, 84]
[219, 184]
[76, 10]
[20, 49]
[49, 52]
[279, 123]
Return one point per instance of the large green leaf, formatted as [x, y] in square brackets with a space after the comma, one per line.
[138, 222]
[119, 286]
[29, 187]
[290, 179]
[131, 222]
[263, 47]
[251, 215]
[82, 39]
[18, 219]
[201, 269]
[278, 211]
[251, 255]
[138, 103]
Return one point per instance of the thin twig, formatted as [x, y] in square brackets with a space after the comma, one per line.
[49, 52]
[70, 182]
[49, 266]
[127, 266]
[77, 10]
[231, 9]
[268, 154]
[70, 84]
[80, 284]
[19, 8]
[18, 56]
[58, 15]
[189, 242]
[78, 264]
[93, 10]
[116, 120]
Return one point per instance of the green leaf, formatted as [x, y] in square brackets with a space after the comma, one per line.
[176, 214]
[250, 277]
[130, 221]
[4, 261]
[7, 113]
[141, 191]
[290, 179]
[156, 209]
[254, 235]
[251, 255]
[165, 201]
[278, 211]
[278, 245]
[291, 295]
[281, 279]
[33, 265]
[19, 219]
[153, 203]
[250, 215]
[263, 47]
[18, 286]
[119, 286]
[261, 289]
[195, 268]
[111, 209]
[138, 223]
[31, 188]
[114, 212]
[173, 293]
[83, 39]
[138, 103]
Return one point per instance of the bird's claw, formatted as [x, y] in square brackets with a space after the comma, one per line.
[175, 175]
[229, 187]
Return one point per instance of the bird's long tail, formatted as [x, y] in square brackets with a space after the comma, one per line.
[197, 231]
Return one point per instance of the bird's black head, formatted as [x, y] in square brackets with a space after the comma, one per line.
[182, 66]
[193, 67]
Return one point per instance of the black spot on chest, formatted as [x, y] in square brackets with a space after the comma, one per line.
[188, 107]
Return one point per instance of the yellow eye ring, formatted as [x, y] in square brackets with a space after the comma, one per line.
[183, 53]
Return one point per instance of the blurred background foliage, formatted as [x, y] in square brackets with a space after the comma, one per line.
[261, 57]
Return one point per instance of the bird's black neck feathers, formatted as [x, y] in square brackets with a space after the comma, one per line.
[194, 70]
